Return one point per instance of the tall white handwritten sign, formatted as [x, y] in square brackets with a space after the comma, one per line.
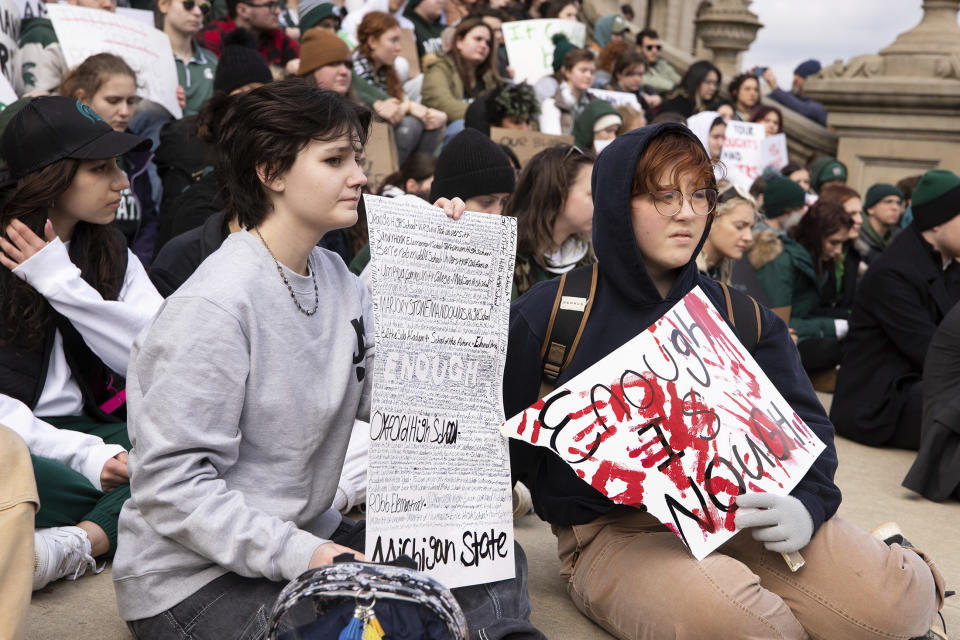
[85, 32]
[742, 153]
[439, 476]
[530, 46]
[679, 420]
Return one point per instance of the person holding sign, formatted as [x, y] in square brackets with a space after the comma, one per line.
[558, 112]
[654, 196]
[74, 297]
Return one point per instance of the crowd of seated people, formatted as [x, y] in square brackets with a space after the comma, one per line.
[120, 223]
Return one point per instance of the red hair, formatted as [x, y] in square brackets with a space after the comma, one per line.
[374, 25]
[681, 155]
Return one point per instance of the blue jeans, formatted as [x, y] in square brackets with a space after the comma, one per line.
[233, 607]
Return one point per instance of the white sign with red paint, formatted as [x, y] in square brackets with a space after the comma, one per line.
[775, 151]
[679, 420]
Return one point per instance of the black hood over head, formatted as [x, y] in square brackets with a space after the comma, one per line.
[614, 241]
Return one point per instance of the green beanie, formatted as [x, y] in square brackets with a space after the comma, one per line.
[826, 169]
[584, 125]
[562, 48]
[936, 199]
[782, 195]
[312, 13]
[878, 192]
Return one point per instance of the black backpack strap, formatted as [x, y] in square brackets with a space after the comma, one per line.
[744, 314]
[571, 308]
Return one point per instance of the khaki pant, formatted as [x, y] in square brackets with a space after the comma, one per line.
[18, 506]
[633, 576]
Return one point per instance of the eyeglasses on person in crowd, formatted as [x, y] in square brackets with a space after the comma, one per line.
[270, 6]
[653, 47]
[190, 4]
[668, 203]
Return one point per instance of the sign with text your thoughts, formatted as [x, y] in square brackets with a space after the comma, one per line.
[680, 420]
[530, 46]
[439, 473]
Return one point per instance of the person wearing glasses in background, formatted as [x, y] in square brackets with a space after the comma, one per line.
[262, 18]
[196, 66]
[39, 64]
[660, 74]
[654, 194]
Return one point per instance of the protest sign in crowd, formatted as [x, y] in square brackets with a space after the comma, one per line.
[266, 267]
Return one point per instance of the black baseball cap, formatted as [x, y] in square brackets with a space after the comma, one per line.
[51, 128]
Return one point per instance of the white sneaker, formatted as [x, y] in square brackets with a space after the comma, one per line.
[522, 501]
[60, 552]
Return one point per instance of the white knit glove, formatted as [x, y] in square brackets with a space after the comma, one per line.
[781, 523]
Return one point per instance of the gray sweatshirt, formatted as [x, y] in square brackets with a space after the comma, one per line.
[240, 408]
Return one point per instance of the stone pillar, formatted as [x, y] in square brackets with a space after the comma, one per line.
[895, 112]
[727, 29]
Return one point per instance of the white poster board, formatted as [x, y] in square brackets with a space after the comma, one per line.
[742, 153]
[85, 32]
[680, 420]
[530, 48]
[9, 35]
[438, 485]
[7, 94]
[775, 151]
[618, 98]
[140, 15]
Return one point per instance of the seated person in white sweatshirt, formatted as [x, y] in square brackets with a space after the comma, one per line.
[73, 299]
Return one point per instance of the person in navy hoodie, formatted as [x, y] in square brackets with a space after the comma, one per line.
[622, 568]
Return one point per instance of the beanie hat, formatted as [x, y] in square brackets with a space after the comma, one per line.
[782, 195]
[319, 48]
[826, 169]
[562, 48]
[240, 63]
[808, 68]
[878, 192]
[586, 123]
[935, 199]
[471, 165]
[310, 13]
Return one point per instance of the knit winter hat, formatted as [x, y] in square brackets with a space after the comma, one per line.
[935, 199]
[562, 48]
[319, 48]
[826, 169]
[595, 113]
[471, 165]
[808, 68]
[878, 192]
[240, 63]
[782, 195]
[310, 13]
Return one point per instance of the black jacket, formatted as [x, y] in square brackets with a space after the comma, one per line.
[936, 471]
[899, 303]
[626, 303]
[181, 256]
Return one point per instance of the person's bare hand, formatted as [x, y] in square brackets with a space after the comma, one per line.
[653, 99]
[770, 78]
[181, 97]
[292, 67]
[23, 243]
[434, 119]
[453, 208]
[325, 553]
[793, 335]
[114, 473]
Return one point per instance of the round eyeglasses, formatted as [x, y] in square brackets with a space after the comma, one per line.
[669, 203]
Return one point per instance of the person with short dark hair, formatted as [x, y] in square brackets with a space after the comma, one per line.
[628, 75]
[901, 300]
[260, 17]
[795, 98]
[660, 74]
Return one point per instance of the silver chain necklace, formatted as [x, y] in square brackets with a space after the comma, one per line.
[312, 274]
